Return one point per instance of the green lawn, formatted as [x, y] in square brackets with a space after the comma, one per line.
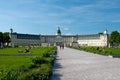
[12, 62]
[16, 61]
[35, 50]
[114, 51]
[11, 50]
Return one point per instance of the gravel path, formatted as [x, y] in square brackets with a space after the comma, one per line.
[73, 64]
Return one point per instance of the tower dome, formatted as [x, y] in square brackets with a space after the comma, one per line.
[105, 32]
[58, 31]
[11, 30]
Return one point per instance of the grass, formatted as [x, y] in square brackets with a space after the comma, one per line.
[114, 51]
[35, 50]
[40, 50]
[12, 62]
[16, 61]
[11, 50]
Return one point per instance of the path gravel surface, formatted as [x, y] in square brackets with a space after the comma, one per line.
[71, 64]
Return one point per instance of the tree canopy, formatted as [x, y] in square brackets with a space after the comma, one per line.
[1, 37]
[114, 37]
[4, 38]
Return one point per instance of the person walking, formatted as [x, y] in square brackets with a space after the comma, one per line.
[62, 46]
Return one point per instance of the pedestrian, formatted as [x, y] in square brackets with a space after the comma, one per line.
[62, 46]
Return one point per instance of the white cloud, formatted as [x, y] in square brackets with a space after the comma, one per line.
[115, 20]
[69, 33]
[108, 4]
[66, 29]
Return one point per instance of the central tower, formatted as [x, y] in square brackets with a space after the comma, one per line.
[58, 37]
[58, 32]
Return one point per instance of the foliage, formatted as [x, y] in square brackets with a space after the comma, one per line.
[39, 60]
[114, 37]
[9, 75]
[41, 73]
[1, 37]
[4, 38]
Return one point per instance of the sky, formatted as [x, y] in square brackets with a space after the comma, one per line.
[72, 16]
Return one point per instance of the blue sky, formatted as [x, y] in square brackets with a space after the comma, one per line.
[73, 16]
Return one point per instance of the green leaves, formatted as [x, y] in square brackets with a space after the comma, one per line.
[39, 60]
[114, 37]
[4, 37]
[9, 75]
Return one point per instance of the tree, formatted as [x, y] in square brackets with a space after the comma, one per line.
[1, 37]
[118, 39]
[6, 38]
[114, 38]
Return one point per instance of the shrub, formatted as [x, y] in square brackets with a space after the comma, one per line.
[46, 54]
[9, 75]
[41, 73]
[100, 50]
[39, 60]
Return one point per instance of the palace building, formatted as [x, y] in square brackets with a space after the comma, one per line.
[18, 39]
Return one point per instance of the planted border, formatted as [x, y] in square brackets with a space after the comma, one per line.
[115, 52]
[40, 68]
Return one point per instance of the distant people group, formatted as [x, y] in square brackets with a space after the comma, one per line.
[61, 46]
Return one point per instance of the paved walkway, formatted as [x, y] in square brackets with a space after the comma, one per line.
[73, 64]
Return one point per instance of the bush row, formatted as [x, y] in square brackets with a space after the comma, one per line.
[100, 50]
